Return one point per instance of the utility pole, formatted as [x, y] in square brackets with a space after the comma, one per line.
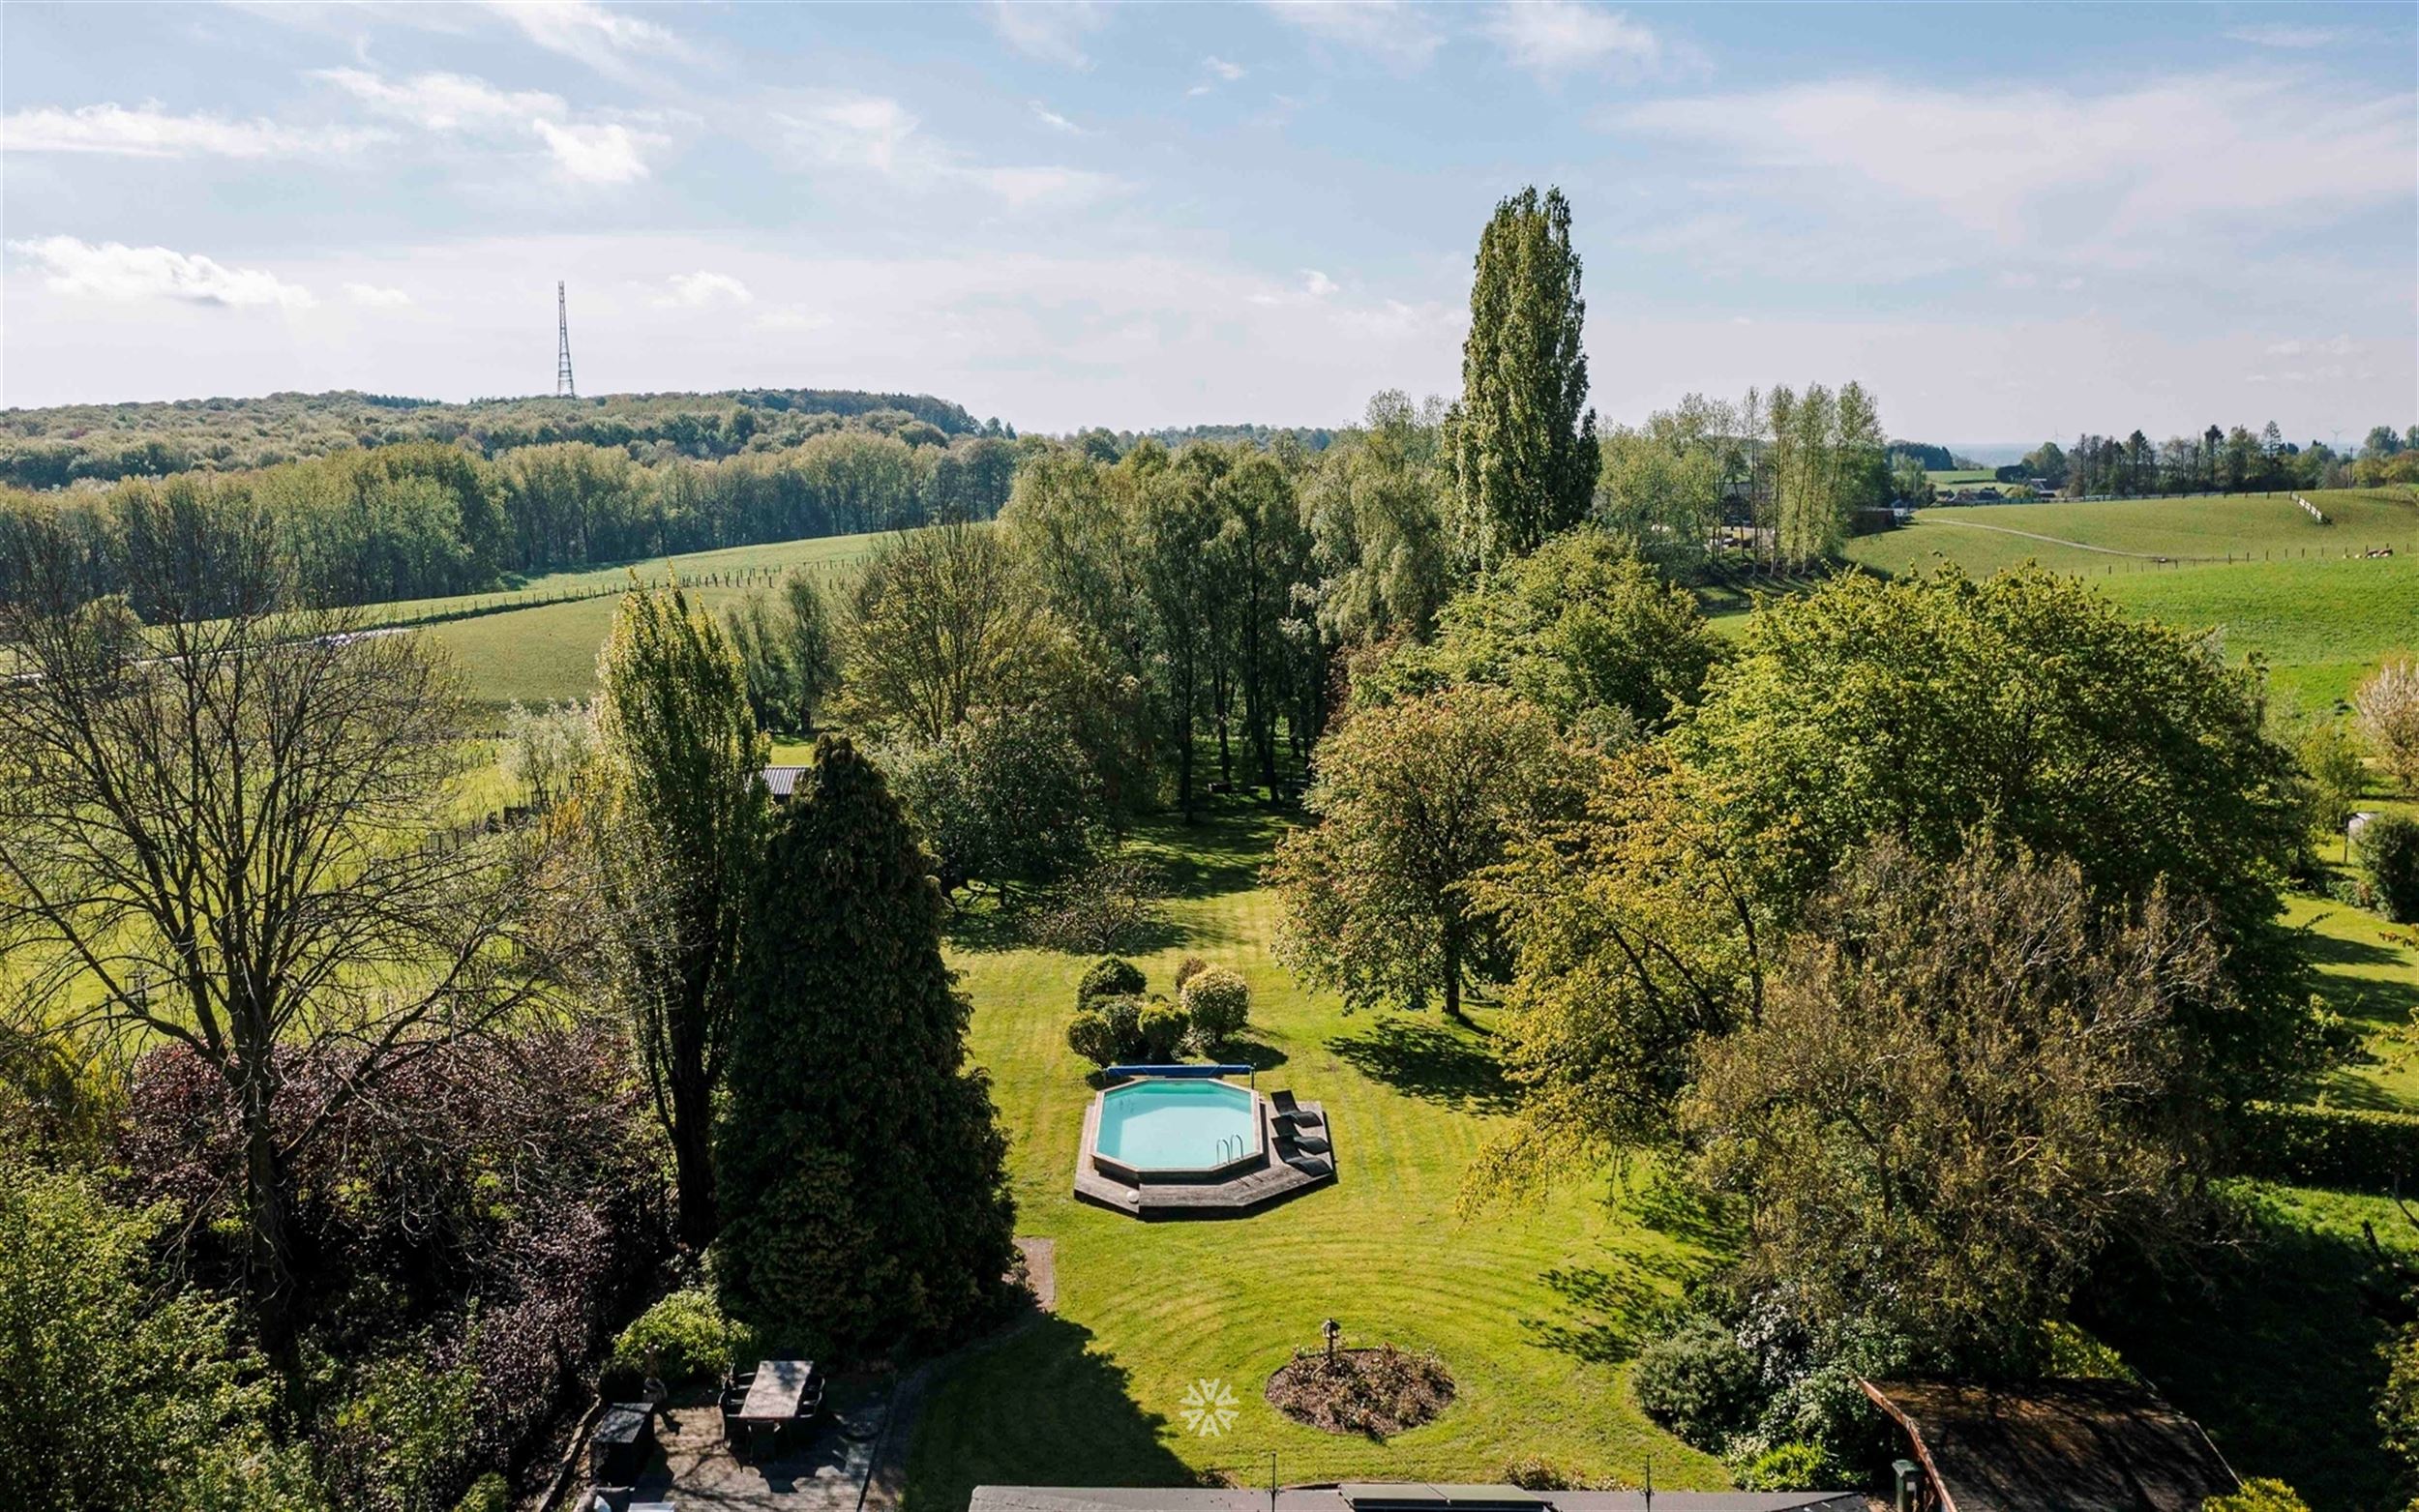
[564, 387]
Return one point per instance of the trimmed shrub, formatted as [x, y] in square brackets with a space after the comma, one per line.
[1218, 1001]
[1697, 1381]
[1159, 1028]
[1187, 969]
[1111, 976]
[693, 1342]
[1531, 1473]
[1103, 1033]
[2389, 856]
[2352, 1149]
[1789, 1467]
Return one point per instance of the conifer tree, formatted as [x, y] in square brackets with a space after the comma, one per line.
[1524, 453]
[864, 1187]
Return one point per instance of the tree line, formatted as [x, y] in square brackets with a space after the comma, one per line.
[2235, 461]
[101, 443]
[423, 518]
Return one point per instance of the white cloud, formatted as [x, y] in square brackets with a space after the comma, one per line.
[444, 102]
[700, 290]
[377, 297]
[861, 132]
[147, 130]
[2131, 178]
[872, 133]
[1055, 121]
[607, 41]
[602, 153]
[118, 273]
[1393, 31]
[1553, 38]
[1316, 284]
[2283, 35]
[1053, 32]
[2340, 346]
[1228, 72]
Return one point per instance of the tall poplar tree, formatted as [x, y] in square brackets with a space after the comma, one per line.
[1524, 452]
[864, 1173]
[679, 820]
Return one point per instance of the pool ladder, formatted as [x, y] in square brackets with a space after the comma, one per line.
[1229, 1142]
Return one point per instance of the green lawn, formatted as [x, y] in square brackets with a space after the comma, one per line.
[2259, 526]
[1535, 1308]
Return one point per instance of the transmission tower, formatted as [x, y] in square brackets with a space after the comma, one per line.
[564, 387]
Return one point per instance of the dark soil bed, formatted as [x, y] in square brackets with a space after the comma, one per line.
[1377, 1392]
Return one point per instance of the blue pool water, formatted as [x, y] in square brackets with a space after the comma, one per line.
[1154, 1125]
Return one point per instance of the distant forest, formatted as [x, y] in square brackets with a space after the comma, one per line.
[103, 443]
[376, 498]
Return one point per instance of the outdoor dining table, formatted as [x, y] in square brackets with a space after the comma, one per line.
[780, 1386]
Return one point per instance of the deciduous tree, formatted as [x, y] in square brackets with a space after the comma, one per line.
[1414, 799]
[2028, 705]
[216, 830]
[1959, 1091]
[678, 823]
[1524, 443]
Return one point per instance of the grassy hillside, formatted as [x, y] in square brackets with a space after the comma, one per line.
[2298, 593]
[538, 649]
[1534, 1309]
[2267, 526]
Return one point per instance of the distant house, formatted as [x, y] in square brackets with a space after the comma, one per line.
[783, 780]
[1396, 1497]
[2053, 1446]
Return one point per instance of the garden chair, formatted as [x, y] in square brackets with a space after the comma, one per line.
[1291, 1112]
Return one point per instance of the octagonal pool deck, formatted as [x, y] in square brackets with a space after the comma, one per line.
[1280, 1167]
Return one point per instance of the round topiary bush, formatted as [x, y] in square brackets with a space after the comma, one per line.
[1160, 1028]
[1107, 1030]
[1218, 1001]
[1377, 1392]
[1697, 1381]
[2389, 853]
[1111, 976]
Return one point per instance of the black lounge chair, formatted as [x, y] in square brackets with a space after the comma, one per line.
[1290, 1112]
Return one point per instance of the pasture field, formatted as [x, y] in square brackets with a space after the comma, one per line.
[1961, 477]
[2263, 526]
[1534, 1306]
[547, 650]
[2321, 619]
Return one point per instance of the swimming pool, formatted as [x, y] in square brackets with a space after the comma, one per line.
[1156, 1126]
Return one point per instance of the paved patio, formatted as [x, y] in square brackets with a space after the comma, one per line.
[825, 1471]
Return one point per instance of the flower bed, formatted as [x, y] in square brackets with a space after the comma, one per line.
[1377, 1392]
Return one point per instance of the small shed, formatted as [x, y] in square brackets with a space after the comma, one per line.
[2053, 1446]
[783, 780]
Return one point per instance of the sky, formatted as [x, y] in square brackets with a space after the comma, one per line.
[2009, 222]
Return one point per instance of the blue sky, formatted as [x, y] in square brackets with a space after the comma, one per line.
[2009, 221]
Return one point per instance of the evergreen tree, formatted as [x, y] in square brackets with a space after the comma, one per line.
[677, 829]
[1524, 455]
[863, 1175]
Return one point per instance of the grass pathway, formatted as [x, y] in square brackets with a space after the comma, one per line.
[1535, 1308]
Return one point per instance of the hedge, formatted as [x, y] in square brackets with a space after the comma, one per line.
[2353, 1149]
